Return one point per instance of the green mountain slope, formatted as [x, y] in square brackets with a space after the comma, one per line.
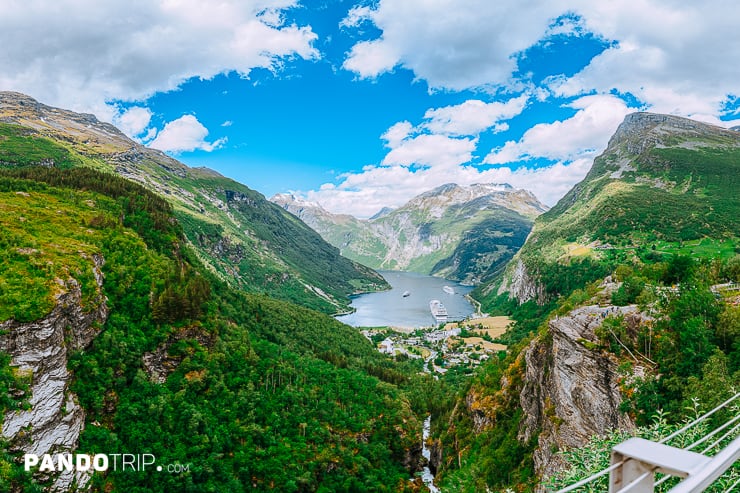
[252, 394]
[664, 184]
[626, 313]
[245, 240]
[463, 233]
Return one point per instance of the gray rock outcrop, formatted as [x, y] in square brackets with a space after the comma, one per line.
[54, 421]
[570, 390]
[521, 285]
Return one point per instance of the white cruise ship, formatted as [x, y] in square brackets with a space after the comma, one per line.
[439, 312]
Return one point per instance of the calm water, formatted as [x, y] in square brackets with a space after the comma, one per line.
[391, 308]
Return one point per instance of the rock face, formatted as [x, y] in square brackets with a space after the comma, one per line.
[522, 285]
[41, 349]
[570, 392]
[641, 131]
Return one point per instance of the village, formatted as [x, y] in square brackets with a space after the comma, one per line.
[461, 345]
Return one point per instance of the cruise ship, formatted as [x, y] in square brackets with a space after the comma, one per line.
[439, 312]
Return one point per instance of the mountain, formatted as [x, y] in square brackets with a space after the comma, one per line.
[664, 185]
[123, 332]
[115, 338]
[626, 314]
[463, 233]
[244, 239]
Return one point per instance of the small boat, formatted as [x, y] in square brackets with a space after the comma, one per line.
[406, 294]
[439, 312]
[448, 290]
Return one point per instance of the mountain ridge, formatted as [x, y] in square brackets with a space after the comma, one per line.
[662, 180]
[238, 234]
[465, 233]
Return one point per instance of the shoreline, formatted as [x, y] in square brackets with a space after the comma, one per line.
[476, 304]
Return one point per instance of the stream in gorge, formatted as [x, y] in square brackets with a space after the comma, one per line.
[427, 475]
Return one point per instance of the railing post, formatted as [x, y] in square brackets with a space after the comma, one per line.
[629, 472]
[642, 458]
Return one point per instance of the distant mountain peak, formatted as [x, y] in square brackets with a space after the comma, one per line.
[466, 232]
[476, 188]
[381, 213]
[294, 203]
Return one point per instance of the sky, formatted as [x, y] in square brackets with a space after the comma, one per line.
[358, 105]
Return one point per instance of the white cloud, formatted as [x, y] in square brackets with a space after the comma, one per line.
[397, 133]
[454, 45]
[78, 54]
[133, 121]
[363, 194]
[356, 16]
[371, 58]
[677, 57]
[417, 162]
[438, 151]
[184, 135]
[581, 136]
[473, 116]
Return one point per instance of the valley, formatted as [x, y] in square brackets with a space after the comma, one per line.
[150, 307]
[462, 233]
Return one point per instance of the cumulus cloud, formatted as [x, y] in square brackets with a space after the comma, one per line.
[453, 45]
[580, 136]
[133, 121]
[365, 193]
[448, 136]
[437, 151]
[371, 58]
[397, 133]
[79, 54]
[676, 57]
[184, 135]
[356, 16]
[417, 162]
[473, 116]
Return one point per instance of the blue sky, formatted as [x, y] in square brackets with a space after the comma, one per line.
[360, 105]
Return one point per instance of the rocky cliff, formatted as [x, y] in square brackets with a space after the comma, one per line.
[520, 284]
[40, 349]
[570, 390]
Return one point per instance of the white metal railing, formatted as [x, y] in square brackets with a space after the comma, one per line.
[635, 462]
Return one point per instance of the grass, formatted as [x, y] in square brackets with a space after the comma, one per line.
[21, 146]
[46, 237]
[704, 248]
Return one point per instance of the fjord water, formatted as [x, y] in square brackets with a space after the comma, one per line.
[393, 309]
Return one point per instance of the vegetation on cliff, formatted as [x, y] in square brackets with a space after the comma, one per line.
[258, 394]
[657, 215]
